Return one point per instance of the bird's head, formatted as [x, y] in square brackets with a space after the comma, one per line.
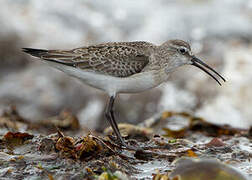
[177, 53]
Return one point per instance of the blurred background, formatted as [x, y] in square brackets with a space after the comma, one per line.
[220, 33]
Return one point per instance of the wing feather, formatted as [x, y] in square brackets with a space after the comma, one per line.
[115, 59]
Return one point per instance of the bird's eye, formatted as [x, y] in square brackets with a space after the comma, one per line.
[182, 50]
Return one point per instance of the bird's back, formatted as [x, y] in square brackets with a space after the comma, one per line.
[118, 59]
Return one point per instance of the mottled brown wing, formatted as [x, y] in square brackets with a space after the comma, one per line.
[112, 59]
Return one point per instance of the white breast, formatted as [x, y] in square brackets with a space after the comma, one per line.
[112, 85]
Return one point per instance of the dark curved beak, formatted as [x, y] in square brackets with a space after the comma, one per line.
[197, 62]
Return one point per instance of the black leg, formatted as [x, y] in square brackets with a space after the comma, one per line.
[110, 117]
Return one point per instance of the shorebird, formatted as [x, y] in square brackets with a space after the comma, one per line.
[123, 67]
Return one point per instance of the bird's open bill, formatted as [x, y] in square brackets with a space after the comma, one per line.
[196, 62]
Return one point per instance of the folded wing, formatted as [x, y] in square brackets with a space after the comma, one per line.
[113, 59]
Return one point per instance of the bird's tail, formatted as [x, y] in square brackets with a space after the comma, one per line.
[35, 52]
[59, 56]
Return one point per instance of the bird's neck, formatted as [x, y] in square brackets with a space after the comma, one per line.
[171, 68]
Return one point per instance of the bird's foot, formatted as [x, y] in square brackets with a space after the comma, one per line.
[131, 148]
[122, 144]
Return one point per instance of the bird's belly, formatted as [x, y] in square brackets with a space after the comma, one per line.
[137, 83]
[112, 85]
